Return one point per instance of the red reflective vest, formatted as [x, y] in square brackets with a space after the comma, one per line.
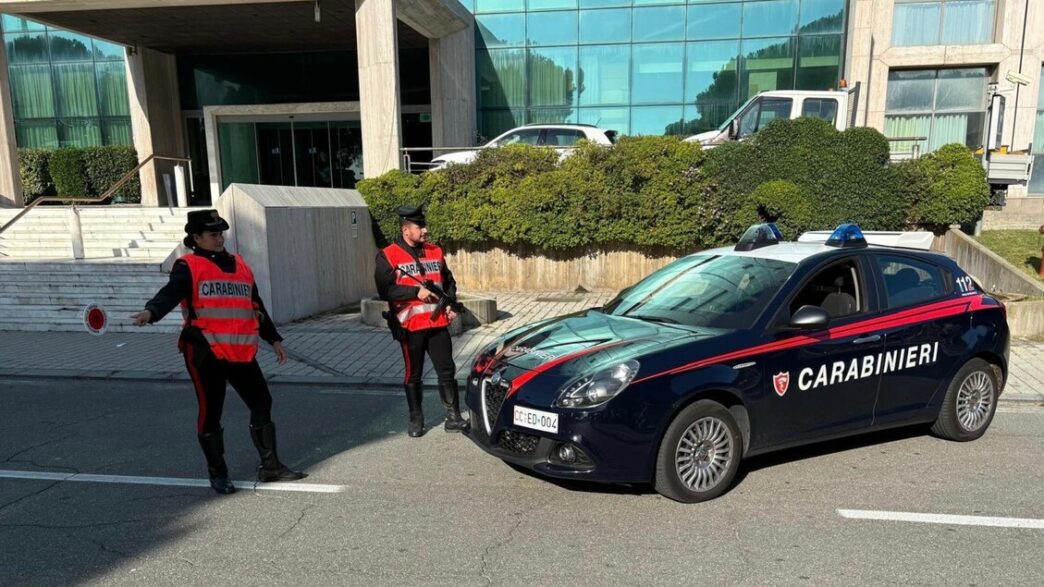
[223, 304]
[415, 314]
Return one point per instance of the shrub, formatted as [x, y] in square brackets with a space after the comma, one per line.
[36, 178]
[780, 202]
[67, 169]
[104, 166]
[947, 186]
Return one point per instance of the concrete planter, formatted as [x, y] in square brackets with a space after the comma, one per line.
[477, 311]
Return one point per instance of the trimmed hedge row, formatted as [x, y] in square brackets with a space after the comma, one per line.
[85, 171]
[663, 194]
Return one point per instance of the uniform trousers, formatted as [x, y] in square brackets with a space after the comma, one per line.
[210, 375]
[434, 341]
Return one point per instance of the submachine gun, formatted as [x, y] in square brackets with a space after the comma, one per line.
[445, 301]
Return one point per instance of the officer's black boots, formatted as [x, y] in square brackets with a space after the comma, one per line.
[271, 468]
[414, 397]
[213, 444]
[451, 400]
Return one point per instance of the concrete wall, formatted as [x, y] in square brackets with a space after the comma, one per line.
[1026, 319]
[992, 271]
[453, 108]
[312, 249]
[499, 269]
[155, 108]
[10, 180]
[871, 56]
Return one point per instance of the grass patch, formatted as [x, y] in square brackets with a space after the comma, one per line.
[1021, 248]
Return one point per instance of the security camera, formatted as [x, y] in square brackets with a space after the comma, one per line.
[1017, 78]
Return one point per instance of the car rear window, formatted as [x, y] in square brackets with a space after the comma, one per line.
[910, 281]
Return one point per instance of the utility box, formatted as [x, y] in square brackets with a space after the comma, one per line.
[1008, 169]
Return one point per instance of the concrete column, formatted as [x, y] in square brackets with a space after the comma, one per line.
[10, 180]
[152, 88]
[452, 60]
[379, 104]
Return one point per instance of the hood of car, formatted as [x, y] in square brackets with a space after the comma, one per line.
[456, 157]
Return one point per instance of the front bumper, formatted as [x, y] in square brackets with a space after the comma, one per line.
[606, 450]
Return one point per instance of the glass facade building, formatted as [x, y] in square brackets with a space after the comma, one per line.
[67, 89]
[647, 66]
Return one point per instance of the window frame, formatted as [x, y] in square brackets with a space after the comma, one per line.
[934, 112]
[756, 108]
[868, 294]
[837, 107]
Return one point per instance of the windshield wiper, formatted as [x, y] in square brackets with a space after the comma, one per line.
[648, 318]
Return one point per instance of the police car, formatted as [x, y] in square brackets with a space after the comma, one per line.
[734, 352]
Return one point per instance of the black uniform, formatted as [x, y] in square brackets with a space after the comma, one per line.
[210, 374]
[435, 341]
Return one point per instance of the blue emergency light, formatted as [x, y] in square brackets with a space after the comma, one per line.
[759, 235]
[847, 235]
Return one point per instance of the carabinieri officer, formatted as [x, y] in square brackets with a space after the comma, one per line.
[402, 269]
[224, 317]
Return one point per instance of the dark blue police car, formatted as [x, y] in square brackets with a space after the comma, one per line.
[734, 352]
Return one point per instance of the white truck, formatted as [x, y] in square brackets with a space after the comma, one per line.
[838, 107]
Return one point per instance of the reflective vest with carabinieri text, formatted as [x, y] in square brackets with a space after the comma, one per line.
[414, 314]
[223, 304]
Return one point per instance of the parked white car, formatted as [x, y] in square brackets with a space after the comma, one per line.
[561, 136]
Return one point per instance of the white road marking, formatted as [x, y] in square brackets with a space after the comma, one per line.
[943, 519]
[167, 481]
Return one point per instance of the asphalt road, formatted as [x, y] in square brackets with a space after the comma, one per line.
[439, 511]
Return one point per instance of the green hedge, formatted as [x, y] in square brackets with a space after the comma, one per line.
[947, 186]
[663, 194]
[78, 172]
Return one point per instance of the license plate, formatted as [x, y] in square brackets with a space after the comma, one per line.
[535, 419]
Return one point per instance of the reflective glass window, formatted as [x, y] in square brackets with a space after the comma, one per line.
[607, 75]
[767, 64]
[822, 108]
[822, 16]
[67, 46]
[943, 106]
[79, 132]
[13, 24]
[32, 91]
[112, 89]
[26, 48]
[774, 17]
[910, 281]
[661, 23]
[617, 119]
[706, 116]
[648, 2]
[819, 62]
[116, 131]
[499, 6]
[104, 51]
[1036, 184]
[714, 21]
[501, 30]
[551, 75]
[551, 4]
[501, 78]
[603, 3]
[37, 134]
[494, 122]
[946, 22]
[657, 75]
[562, 115]
[605, 26]
[552, 28]
[711, 71]
[655, 120]
[968, 22]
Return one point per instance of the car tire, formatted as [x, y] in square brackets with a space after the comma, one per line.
[699, 454]
[970, 402]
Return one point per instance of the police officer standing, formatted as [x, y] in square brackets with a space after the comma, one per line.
[403, 270]
[224, 318]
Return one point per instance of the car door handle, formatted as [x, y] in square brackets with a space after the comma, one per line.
[866, 339]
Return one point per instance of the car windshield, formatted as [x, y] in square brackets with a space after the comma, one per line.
[738, 111]
[714, 291]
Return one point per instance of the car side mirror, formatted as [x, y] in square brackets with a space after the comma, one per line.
[734, 128]
[809, 317]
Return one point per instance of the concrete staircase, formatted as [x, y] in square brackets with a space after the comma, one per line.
[42, 288]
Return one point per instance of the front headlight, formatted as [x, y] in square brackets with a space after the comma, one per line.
[598, 388]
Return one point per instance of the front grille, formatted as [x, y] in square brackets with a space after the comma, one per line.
[517, 442]
[494, 395]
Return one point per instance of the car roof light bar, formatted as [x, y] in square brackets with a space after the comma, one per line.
[847, 236]
[759, 235]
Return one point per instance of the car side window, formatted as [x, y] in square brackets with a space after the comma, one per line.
[824, 108]
[836, 289]
[527, 136]
[563, 137]
[909, 281]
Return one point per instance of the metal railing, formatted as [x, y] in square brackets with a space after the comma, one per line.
[99, 199]
[913, 153]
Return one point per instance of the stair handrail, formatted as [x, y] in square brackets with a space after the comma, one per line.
[96, 200]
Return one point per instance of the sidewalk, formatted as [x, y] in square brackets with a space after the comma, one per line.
[338, 349]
